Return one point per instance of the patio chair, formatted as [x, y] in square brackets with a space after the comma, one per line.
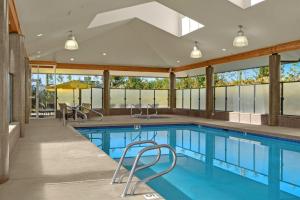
[65, 109]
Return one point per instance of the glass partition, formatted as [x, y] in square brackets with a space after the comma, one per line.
[121, 98]
[70, 97]
[117, 98]
[161, 98]
[186, 98]
[132, 98]
[233, 99]
[86, 96]
[291, 103]
[203, 99]
[179, 98]
[43, 93]
[262, 99]
[195, 99]
[97, 98]
[247, 99]
[147, 97]
[220, 95]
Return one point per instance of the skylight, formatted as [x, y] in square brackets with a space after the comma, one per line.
[244, 4]
[152, 13]
[189, 25]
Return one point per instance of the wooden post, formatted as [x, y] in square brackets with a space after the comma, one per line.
[209, 91]
[27, 90]
[274, 89]
[172, 95]
[106, 92]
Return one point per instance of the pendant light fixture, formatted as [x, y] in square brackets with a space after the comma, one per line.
[240, 40]
[196, 53]
[71, 43]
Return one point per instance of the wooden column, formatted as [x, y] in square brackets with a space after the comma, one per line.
[27, 90]
[274, 89]
[17, 69]
[106, 92]
[209, 92]
[4, 73]
[172, 94]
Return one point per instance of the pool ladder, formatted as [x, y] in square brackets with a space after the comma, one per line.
[135, 168]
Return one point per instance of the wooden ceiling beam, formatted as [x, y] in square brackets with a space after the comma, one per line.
[14, 24]
[99, 67]
[289, 46]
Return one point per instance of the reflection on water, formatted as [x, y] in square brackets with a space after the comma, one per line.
[212, 163]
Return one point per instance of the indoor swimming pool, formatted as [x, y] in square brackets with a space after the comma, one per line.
[212, 163]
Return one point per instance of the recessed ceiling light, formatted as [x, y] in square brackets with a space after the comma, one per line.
[72, 59]
[104, 54]
[224, 49]
[178, 61]
[40, 35]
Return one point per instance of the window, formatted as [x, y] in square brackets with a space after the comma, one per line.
[189, 25]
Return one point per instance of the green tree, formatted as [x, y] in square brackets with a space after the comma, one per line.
[118, 82]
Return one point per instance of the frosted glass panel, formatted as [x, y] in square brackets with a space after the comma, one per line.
[262, 99]
[220, 98]
[86, 96]
[195, 99]
[161, 98]
[291, 103]
[132, 98]
[97, 98]
[178, 98]
[247, 99]
[117, 98]
[70, 97]
[233, 98]
[147, 97]
[186, 99]
[203, 99]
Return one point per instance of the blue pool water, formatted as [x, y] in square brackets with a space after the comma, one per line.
[213, 164]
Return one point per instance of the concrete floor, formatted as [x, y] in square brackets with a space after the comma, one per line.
[54, 162]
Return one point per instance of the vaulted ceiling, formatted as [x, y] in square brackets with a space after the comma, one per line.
[135, 42]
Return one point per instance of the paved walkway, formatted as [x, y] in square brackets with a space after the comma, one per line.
[54, 163]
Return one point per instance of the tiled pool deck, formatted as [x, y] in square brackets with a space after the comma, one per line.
[53, 162]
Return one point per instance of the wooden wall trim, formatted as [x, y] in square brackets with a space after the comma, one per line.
[14, 24]
[50, 64]
[289, 46]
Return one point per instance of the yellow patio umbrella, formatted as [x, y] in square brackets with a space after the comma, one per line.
[71, 85]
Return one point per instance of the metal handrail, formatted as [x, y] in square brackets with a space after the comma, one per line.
[92, 110]
[149, 115]
[139, 168]
[135, 115]
[134, 168]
